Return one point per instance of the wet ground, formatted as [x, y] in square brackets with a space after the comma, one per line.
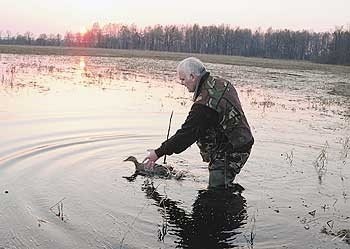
[67, 124]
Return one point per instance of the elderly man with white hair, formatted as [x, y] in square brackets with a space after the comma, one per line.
[216, 123]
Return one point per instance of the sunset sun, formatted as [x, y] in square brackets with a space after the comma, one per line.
[83, 30]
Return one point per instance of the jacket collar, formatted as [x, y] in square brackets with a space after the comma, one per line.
[198, 89]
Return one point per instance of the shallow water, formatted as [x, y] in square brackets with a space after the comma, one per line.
[67, 123]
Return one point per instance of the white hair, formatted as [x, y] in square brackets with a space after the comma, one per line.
[190, 66]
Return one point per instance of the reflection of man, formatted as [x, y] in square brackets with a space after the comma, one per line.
[216, 216]
[216, 122]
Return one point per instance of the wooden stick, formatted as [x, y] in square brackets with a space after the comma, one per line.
[167, 136]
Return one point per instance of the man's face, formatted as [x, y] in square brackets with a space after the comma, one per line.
[189, 82]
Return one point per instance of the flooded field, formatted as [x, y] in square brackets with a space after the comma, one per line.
[67, 123]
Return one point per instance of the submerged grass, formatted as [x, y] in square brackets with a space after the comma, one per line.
[346, 147]
[59, 206]
[342, 235]
[163, 228]
[321, 161]
[220, 59]
[289, 157]
[250, 238]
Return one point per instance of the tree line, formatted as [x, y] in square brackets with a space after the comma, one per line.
[324, 47]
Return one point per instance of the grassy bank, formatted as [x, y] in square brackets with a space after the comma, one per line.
[222, 59]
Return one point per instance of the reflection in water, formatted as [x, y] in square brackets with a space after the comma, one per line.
[213, 223]
[82, 64]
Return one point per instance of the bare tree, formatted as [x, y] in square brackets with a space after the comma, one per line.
[323, 47]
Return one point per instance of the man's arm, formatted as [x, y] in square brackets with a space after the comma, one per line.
[199, 119]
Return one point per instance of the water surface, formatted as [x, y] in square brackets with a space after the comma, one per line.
[67, 123]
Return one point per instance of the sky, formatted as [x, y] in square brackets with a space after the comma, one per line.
[47, 16]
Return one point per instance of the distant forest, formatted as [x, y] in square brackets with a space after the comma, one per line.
[331, 47]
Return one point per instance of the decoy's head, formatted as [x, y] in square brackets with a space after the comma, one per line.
[131, 159]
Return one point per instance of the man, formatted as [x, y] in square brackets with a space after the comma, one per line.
[216, 122]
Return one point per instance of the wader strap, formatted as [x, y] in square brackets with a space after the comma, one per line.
[222, 95]
[225, 174]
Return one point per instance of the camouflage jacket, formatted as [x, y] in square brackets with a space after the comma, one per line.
[233, 133]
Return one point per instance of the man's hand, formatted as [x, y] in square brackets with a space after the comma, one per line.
[150, 160]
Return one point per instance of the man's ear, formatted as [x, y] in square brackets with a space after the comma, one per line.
[191, 76]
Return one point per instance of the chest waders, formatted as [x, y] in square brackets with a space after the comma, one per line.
[220, 146]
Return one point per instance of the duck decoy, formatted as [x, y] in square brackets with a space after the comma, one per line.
[141, 169]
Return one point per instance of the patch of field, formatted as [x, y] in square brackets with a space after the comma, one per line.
[221, 59]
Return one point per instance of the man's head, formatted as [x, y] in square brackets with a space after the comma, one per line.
[189, 72]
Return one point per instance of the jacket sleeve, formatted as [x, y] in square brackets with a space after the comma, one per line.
[199, 119]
